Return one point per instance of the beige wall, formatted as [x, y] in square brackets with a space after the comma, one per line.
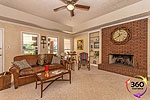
[83, 37]
[12, 41]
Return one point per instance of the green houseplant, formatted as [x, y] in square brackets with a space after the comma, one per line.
[96, 54]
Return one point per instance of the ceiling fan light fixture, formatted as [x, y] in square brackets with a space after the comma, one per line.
[70, 7]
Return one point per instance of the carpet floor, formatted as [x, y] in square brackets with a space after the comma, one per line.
[86, 85]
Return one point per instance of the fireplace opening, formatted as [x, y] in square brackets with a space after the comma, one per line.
[121, 59]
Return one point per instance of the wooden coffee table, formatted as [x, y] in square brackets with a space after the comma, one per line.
[56, 75]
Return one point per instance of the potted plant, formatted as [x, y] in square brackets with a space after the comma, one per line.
[96, 54]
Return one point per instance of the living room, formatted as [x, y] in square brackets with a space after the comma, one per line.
[111, 37]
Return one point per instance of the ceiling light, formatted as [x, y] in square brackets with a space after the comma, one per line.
[70, 7]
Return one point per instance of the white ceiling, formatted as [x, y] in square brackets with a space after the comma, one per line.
[44, 9]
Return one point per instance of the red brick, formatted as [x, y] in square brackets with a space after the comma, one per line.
[137, 46]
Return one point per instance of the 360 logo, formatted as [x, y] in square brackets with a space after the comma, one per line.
[137, 84]
[137, 87]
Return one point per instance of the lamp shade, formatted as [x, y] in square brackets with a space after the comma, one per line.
[63, 54]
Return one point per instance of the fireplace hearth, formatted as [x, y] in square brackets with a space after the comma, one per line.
[121, 59]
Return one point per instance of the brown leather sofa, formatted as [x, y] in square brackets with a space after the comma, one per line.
[27, 75]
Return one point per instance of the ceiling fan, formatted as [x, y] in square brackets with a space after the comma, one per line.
[71, 5]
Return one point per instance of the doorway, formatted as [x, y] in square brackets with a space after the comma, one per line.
[94, 47]
[1, 51]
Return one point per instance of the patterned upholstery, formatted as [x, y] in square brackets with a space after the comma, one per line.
[41, 59]
[83, 58]
[21, 64]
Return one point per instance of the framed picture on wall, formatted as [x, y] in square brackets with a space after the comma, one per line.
[80, 44]
[96, 44]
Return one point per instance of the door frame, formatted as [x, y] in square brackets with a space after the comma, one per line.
[2, 49]
[90, 32]
[57, 42]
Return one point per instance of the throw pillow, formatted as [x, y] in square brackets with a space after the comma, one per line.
[47, 60]
[41, 59]
[21, 64]
[56, 60]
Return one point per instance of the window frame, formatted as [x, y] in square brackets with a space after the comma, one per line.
[57, 42]
[30, 33]
[70, 44]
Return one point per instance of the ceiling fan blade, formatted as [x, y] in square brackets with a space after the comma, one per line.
[75, 1]
[72, 13]
[64, 1]
[60, 8]
[82, 7]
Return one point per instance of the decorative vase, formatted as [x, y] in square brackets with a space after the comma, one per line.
[47, 71]
[47, 74]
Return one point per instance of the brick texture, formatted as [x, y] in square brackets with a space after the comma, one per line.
[137, 46]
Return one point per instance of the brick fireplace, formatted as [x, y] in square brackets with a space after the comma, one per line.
[131, 56]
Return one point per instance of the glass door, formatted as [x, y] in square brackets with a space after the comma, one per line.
[52, 45]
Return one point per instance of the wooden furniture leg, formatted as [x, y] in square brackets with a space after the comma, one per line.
[70, 76]
[41, 89]
[72, 67]
[89, 67]
[79, 66]
[69, 66]
[36, 84]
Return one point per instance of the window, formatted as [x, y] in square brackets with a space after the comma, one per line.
[52, 45]
[67, 45]
[30, 43]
